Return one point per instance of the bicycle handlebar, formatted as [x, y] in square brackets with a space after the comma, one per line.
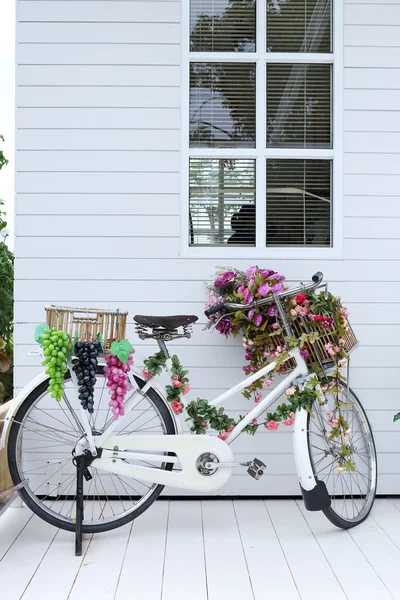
[316, 280]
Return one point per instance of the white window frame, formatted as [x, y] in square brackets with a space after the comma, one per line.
[260, 58]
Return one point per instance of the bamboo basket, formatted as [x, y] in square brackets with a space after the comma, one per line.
[87, 323]
[316, 351]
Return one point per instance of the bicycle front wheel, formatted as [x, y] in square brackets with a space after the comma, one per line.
[352, 492]
[42, 437]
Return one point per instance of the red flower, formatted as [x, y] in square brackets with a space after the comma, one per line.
[300, 298]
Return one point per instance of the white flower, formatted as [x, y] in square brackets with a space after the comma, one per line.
[290, 391]
[4, 233]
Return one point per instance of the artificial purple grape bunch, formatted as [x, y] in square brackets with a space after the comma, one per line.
[85, 367]
[116, 373]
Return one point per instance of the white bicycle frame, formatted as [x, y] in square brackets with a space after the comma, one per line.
[189, 447]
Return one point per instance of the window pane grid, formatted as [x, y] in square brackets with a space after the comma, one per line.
[296, 102]
[222, 202]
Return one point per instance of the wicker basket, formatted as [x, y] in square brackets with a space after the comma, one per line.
[316, 351]
[87, 323]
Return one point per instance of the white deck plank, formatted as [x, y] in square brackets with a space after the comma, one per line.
[261, 547]
[314, 579]
[19, 565]
[359, 580]
[12, 522]
[227, 575]
[380, 551]
[99, 572]
[386, 513]
[60, 552]
[142, 569]
[185, 540]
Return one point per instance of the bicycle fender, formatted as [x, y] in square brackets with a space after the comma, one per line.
[301, 454]
[314, 492]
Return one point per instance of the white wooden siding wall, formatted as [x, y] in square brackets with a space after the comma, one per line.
[98, 155]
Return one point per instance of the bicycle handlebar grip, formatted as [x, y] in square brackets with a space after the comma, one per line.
[214, 309]
[317, 277]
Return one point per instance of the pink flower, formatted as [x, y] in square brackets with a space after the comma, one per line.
[186, 390]
[268, 382]
[147, 374]
[254, 421]
[275, 326]
[277, 287]
[344, 312]
[289, 421]
[224, 435]
[231, 428]
[176, 384]
[272, 425]
[175, 377]
[258, 320]
[177, 406]
[264, 289]
[251, 270]
[257, 398]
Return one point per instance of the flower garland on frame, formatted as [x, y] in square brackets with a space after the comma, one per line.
[204, 416]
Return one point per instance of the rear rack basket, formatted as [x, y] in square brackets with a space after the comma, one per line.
[87, 323]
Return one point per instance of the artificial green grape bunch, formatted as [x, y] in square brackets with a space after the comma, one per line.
[56, 348]
[85, 367]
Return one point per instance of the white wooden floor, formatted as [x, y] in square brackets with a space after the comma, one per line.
[219, 549]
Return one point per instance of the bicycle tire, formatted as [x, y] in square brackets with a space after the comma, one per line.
[340, 520]
[36, 505]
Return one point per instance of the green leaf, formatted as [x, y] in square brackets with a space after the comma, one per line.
[396, 417]
[39, 331]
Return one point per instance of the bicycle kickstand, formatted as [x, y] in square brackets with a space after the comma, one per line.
[80, 467]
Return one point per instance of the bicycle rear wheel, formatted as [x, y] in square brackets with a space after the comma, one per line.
[40, 444]
[352, 493]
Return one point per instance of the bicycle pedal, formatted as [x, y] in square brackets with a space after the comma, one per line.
[256, 469]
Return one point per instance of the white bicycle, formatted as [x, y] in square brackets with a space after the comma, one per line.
[128, 461]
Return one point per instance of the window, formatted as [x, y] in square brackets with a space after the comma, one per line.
[259, 127]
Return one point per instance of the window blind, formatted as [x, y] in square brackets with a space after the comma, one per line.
[299, 105]
[299, 202]
[222, 202]
[222, 105]
[222, 25]
[299, 26]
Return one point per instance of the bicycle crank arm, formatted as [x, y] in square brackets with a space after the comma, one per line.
[217, 465]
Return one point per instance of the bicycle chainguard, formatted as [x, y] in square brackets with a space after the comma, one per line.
[256, 468]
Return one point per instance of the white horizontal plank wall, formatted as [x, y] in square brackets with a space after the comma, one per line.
[98, 159]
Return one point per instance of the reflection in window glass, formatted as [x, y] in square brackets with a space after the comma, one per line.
[221, 202]
[222, 105]
[299, 203]
[299, 26]
[222, 25]
[299, 105]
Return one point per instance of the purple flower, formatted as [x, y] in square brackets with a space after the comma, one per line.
[277, 287]
[273, 311]
[224, 326]
[304, 353]
[264, 289]
[251, 270]
[251, 313]
[266, 273]
[249, 298]
[224, 278]
[258, 320]
[278, 277]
